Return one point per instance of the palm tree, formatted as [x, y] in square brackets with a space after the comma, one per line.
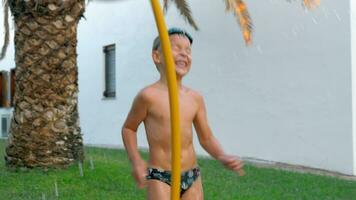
[45, 129]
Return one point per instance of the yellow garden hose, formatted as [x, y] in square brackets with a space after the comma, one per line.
[173, 98]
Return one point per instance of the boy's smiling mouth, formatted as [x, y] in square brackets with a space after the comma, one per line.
[181, 64]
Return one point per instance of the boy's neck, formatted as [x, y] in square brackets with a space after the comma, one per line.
[163, 80]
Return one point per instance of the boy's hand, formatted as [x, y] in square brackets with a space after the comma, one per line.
[139, 172]
[232, 163]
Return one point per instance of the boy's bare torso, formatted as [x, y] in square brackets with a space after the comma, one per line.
[151, 106]
[158, 129]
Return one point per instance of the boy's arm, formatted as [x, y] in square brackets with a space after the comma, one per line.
[210, 143]
[136, 115]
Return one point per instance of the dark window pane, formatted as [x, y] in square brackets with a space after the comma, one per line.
[110, 72]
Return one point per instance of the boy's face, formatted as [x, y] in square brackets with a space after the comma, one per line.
[181, 52]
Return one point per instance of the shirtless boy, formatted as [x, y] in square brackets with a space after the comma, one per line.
[151, 106]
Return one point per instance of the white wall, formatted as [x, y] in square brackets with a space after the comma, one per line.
[9, 61]
[130, 25]
[353, 56]
[287, 98]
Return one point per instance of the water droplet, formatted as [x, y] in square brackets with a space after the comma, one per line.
[91, 163]
[56, 188]
[337, 15]
[314, 20]
[80, 166]
[326, 12]
[294, 32]
[259, 49]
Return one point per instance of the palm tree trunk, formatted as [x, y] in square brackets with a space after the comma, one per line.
[45, 128]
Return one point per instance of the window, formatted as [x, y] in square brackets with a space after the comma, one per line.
[5, 89]
[110, 74]
[5, 125]
[12, 86]
[1, 84]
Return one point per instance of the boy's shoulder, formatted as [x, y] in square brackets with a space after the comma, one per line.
[149, 93]
[146, 92]
[194, 93]
[148, 89]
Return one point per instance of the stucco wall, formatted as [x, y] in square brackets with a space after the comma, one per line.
[287, 98]
[353, 57]
[8, 62]
[109, 23]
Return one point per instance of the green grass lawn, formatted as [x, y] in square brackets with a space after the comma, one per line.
[111, 179]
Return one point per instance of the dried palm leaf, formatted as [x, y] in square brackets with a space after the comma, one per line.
[165, 5]
[6, 28]
[239, 8]
[184, 9]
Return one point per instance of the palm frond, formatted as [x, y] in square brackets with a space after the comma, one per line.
[184, 9]
[229, 5]
[311, 4]
[165, 5]
[239, 8]
[6, 28]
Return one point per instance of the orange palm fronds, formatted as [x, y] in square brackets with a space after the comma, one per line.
[239, 8]
[311, 4]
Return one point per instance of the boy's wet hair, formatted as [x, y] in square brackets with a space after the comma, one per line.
[172, 31]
